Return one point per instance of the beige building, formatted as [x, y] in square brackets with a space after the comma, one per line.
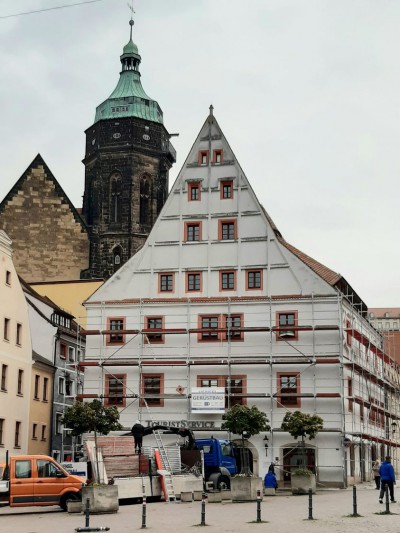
[41, 403]
[15, 356]
[387, 321]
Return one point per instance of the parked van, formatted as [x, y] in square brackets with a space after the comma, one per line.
[38, 480]
[2, 465]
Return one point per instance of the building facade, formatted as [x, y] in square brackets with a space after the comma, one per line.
[218, 300]
[15, 357]
[387, 321]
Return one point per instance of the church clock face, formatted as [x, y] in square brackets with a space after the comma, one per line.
[146, 137]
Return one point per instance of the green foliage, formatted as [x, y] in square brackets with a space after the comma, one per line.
[91, 416]
[301, 472]
[245, 421]
[300, 424]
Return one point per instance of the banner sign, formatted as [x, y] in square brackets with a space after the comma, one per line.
[208, 400]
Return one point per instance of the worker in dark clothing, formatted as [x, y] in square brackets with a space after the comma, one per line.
[138, 432]
[388, 479]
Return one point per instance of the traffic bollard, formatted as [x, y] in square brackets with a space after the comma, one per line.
[87, 512]
[203, 509]
[310, 516]
[387, 499]
[259, 506]
[79, 529]
[355, 501]
[144, 513]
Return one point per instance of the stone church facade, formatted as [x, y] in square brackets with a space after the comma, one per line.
[127, 160]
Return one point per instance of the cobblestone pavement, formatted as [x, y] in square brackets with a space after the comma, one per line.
[283, 513]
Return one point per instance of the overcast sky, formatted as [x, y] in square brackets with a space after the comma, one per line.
[307, 93]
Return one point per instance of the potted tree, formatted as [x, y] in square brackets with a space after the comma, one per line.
[300, 424]
[84, 418]
[246, 422]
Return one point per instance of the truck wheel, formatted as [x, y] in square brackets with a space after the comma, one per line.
[223, 483]
[70, 496]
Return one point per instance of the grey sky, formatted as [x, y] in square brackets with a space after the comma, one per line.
[307, 93]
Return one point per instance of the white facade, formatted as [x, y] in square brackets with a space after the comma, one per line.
[15, 357]
[217, 298]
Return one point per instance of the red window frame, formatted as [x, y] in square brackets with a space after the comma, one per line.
[203, 154]
[195, 185]
[208, 334]
[288, 401]
[284, 331]
[223, 184]
[161, 275]
[157, 401]
[234, 327]
[250, 272]
[115, 338]
[199, 274]
[189, 225]
[226, 277]
[63, 350]
[218, 152]
[222, 231]
[119, 400]
[153, 334]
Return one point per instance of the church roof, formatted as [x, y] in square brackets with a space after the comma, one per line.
[129, 99]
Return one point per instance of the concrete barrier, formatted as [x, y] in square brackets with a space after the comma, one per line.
[187, 496]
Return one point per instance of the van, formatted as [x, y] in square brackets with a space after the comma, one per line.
[38, 480]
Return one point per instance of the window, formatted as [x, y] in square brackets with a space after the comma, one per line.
[227, 280]
[152, 324]
[234, 326]
[3, 385]
[285, 321]
[34, 431]
[192, 231]
[20, 382]
[1, 431]
[153, 389]
[217, 156]
[209, 328]
[8, 278]
[288, 390]
[235, 387]
[116, 199]
[61, 386]
[193, 281]
[194, 192]
[47, 468]
[45, 389]
[166, 283]
[226, 189]
[23, 469]
[59, 425]
[63, 350]
[36, 388]
[71, 353]
[44, 432]
[6, 329]
[350, 393]
[227, 230]
[203, 157]
[116, 390]
[253, 279]
[69, 387]
[116, 325]
[17, 436]
[18, 335]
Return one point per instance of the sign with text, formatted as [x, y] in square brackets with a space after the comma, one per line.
[208, 400]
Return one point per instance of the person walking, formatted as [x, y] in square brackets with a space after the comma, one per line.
[388, 479]
[375, 471]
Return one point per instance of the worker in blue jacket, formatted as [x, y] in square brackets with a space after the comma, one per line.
[388, 479]
[270, 481]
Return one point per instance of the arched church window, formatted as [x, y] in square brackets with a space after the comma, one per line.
[116, 198]
[145, 216]
[117, 257]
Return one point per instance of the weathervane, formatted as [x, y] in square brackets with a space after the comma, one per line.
[131, 22]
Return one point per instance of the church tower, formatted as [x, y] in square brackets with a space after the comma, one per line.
[127, 161]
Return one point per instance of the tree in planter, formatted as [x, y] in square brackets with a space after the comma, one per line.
[91, 416]
[300, 424]
[246, 422]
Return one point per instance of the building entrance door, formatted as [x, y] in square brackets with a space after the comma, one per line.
[293, 458]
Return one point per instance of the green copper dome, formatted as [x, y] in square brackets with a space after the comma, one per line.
[128, 99]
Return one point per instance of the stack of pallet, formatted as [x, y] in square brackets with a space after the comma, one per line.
[119, 457]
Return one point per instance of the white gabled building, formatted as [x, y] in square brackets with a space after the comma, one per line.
[217, 298]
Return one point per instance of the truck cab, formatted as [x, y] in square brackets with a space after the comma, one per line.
[38, 480]
[219, 461]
